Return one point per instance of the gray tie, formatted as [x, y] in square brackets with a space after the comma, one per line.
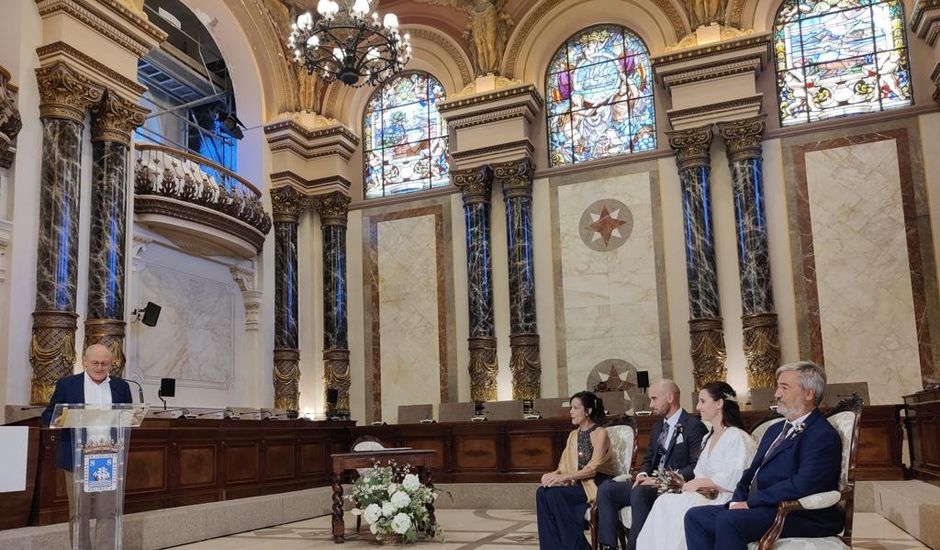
[787, 427]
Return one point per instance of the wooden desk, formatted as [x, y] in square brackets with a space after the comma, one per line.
[419, 459]
[923, 428]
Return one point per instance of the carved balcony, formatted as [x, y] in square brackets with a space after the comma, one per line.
[201, 206]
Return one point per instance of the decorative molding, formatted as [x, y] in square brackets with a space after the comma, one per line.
[725, 33]
[450, 47]
[90, 13]
[287, 204]
[310, 143]
[505, 93]
[691, 146]
[332, 207]
[751, 41]
[925, 21]
[139, 245]
[711, 71]
[746, 107]
[6, 237]
[252, 298]
[475, 184]
[500, 82]
[245, 278]
[10, 121]
[115, 118]
[174, 208]
[523, 144]
[743, 138]
[69, 52]
[514, 177]
[64, 93]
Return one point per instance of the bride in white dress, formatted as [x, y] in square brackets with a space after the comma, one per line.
[726, 453]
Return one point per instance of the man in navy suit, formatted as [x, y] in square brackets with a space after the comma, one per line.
[92, 387]
[675, 443]
[796, 458]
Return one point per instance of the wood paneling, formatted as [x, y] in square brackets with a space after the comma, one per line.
[532, 453]
[15, 506]
[278, 460]
[923, 425]
[476, 453]
[146, 470]
[241, 463]
[197, 466]
[313, 457]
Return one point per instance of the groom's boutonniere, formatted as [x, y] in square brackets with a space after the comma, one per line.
[797, 429]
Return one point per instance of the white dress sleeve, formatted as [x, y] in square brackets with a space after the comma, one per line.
[731, 457]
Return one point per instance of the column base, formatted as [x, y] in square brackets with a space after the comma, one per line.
[526, 366]
[287, 379]
[109, 333]
[336, 377]
[708, 351]
[51, 352]
[483, 368]
[761, 349]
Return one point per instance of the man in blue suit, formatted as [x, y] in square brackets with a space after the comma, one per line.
[675, 444]
[92, 387]
[796, 458]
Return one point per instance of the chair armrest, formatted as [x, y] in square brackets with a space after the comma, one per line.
[820, 500]
[622, 477]
[816, 501]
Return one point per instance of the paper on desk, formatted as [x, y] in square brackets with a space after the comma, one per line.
[14, 440]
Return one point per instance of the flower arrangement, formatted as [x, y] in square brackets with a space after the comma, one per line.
[668, 481]
[395, 503]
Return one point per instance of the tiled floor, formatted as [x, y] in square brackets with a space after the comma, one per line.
[487, 530]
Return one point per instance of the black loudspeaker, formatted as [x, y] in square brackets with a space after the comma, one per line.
[643, 379]
[167, 387]
[332, 396]
[150, 315]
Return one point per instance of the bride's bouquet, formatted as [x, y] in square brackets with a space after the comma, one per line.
[668, 481]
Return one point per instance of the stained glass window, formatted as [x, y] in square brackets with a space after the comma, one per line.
[405, 138]
[599, 92]
[840, 57]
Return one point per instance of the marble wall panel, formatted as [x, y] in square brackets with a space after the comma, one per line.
[194, 340]
[862, 285]
[411, 331]
[611, 299]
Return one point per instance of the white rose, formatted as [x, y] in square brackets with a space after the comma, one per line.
[388, 509]
[401, 499]
[392, 488]
[372, 513]
[401, 523]
[411, 483]
[356, 511]
[374, 528]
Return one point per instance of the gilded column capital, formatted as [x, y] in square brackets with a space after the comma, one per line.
[332, 207]
[743, 138]
[115, 118]
[691, 146]
[515, 177]
[474, 183]
[287, 204]
[64, 93]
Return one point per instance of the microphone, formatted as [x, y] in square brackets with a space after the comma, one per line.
[140, 389]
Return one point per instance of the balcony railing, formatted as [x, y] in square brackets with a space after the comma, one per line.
[175, 183]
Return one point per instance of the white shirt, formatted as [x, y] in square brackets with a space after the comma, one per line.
[672, 422]
[97, 394]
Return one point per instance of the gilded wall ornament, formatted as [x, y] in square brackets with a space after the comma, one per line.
[743, 138]
[525, 363]
[761, 349]
[691, 146]
[336, 376]
[483, 368]
[64, 93]
[475, 184]
[288, 204]
[487, 31]
[332, 207]
[708, 351]
[115, 118]
[287, 379]
[51, 352]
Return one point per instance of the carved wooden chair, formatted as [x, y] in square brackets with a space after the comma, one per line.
[365, 443]
[845, 418]
[622, 433]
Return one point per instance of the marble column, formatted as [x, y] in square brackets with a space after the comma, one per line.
[743, 139]
[334, 209]
[287, 204]
[113, 120]
[705, 327]
[475, 185]
[515, 178]
[64, 97]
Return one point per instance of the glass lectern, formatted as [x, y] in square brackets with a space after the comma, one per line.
[100, 435]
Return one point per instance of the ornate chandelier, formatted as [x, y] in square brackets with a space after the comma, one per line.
[343, 42]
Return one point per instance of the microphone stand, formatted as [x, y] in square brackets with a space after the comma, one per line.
[140, 389]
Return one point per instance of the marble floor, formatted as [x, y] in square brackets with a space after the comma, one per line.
[488, 530]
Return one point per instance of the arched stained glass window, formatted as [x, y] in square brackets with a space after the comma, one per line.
[405, 140]
[840, 57]
[599, 91]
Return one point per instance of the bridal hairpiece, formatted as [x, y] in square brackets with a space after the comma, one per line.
[729, 397]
